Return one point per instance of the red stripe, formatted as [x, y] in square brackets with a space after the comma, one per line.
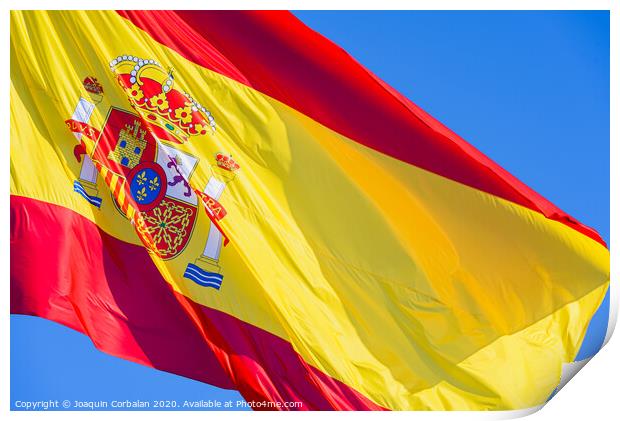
[64, 268]
[278, 55]
[117, 189]
[108, 178]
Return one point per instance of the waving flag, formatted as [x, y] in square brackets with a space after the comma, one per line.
[231, 197]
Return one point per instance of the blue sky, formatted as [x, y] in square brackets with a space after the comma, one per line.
[529, 89]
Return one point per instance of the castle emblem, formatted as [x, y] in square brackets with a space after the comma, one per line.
[130, 145]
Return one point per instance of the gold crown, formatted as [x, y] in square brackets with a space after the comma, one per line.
[226, 162]
[152, 92]
[92, 85]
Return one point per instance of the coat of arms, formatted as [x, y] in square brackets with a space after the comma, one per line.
[148, 177]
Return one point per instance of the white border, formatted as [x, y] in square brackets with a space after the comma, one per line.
[614, 150]
[593, 395]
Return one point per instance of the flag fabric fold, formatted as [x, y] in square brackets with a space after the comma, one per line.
[230, 197]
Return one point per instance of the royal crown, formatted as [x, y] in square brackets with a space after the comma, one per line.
[92, 85]
[151, 90]
[226, 162]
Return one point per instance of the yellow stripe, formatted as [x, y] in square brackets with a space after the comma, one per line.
[113, 182]
[417, 291]
[130, 212]
[122, 198]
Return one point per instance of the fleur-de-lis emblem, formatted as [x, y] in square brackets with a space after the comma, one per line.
[141, 178]
[154, 184]
[141, 194]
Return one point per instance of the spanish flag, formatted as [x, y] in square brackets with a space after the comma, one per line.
[231, 197]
